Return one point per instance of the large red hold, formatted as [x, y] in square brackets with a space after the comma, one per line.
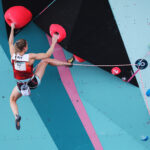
[58, 29]
[18, 15]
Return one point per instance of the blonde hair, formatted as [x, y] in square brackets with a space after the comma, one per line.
[19, 46]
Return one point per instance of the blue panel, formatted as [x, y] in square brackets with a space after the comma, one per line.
[116, 109]
[133, 21]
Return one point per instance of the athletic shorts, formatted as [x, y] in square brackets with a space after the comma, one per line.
[33, 83]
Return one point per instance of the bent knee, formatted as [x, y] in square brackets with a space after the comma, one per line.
[45, 61]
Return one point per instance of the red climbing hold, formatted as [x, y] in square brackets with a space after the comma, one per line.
[18, 15]
[78, 59]
[115, 71]
[58, 29]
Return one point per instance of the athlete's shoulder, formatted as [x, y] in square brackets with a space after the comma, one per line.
[18, 57]
[13, 56]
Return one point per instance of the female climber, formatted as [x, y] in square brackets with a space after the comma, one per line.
[22, 63]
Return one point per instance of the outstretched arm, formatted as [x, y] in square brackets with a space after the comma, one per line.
[49, 51]
[11, 40]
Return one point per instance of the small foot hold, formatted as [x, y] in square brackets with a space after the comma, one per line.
[144, 138]
[148, 93]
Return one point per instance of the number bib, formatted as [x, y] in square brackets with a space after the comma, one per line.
[20, 66]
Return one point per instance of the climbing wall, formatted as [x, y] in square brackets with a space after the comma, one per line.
[92, 32]
[134, 26]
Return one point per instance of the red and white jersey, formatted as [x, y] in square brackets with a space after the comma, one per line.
[21, 67]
